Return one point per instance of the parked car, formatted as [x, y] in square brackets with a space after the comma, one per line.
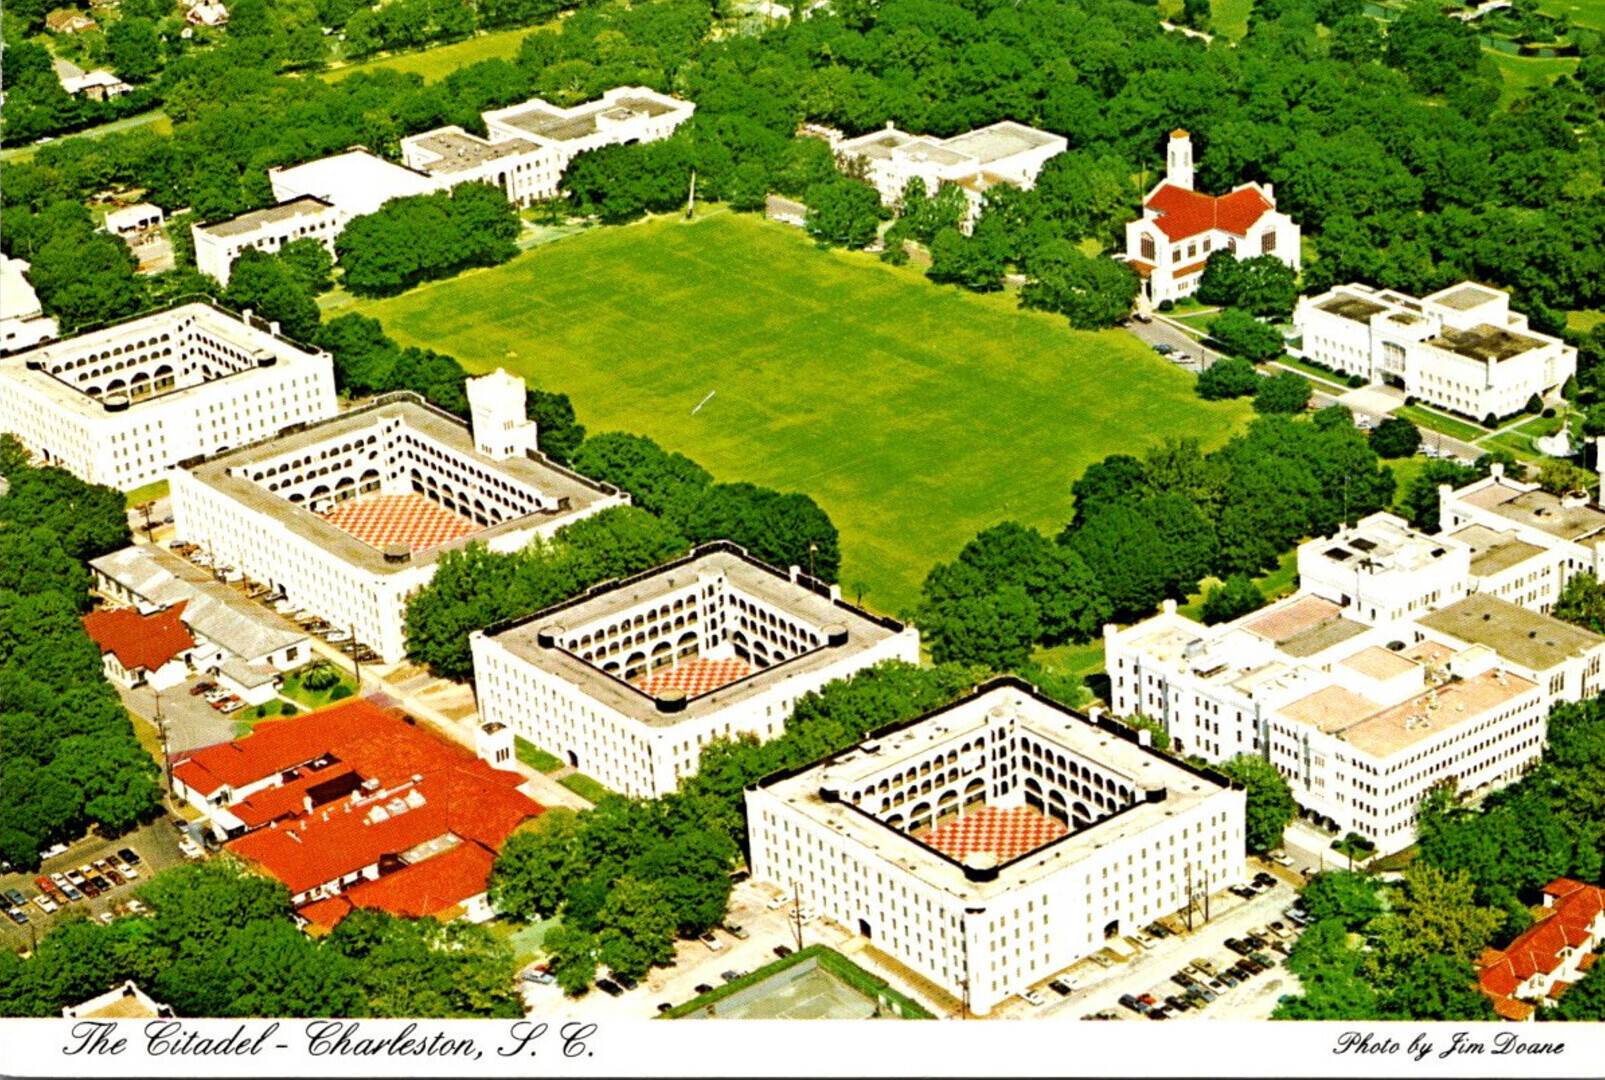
[16, 897]
[190, 848]
[129, 872]
[129, 856]
[114, 877]
[1164, 350]
[1281, 858]
[736, 931]
[730, 976]
[609, 987]
[100, 883]
[782, 951]
[779, 902]
[71, 893]
[1228, 978]
[1133, 1004]
[18, 916]
[703, 988]
[1142, 317]
[664, 1006]
[46, 904]
[625, 981]
[1060, 987]
[1177, 1004]
[1033, 998]
[713, 943]
[1265, 878]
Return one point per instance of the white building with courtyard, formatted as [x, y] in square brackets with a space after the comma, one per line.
[123, 405]
[630, 681]
[1461, 348]
[1002, 153]
[1404, 662]
[348, 518]
[1181, 227]
[993, 843]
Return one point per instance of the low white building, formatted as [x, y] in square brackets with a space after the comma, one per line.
[1180, 228]
[525, 170]
[348, 518]
[630, 681]
[1461, 348]
[1404, 662]
[122, 405]
[219, 243]
[993, 843]
[356, 182]
[624, 114]
[135, 219]
[235, 641]
[23, 322]
[98, 85]
[1000, 153]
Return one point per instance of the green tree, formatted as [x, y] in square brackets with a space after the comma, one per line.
[1582, 602]
[1228, 378]
[1562, 478]
[134, 49]
[1240, 334]
[537, 866]
[636, 928]
[971, 262]
[1431, 914]
[1396, 437]
[1584, 1001]
[1351, 898]
[1270, 801]
[310, 262]
[573, 958]
[1263, 286]
[266, 285]
[1233, 598]
[1092, 293]
[843, 213]
[1288, 392]
[1420, 502]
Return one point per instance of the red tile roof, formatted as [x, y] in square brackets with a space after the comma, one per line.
[433, 886]
[377, 784]
[1183, 213]
[1575, 907]
[140, 641]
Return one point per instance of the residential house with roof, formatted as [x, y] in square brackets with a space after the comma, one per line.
[1542, 963]
[236, 642]
[1460, 348]
[1180, 228]
[97, 85]
[1002, 153]
[1401, 664]
[355, 806]
[23, 322]
[69, 21]
[154, 650]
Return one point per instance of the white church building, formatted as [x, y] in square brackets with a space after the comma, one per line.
[1181, 227]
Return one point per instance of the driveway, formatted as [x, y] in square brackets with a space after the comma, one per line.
[156, 844]
[1162, 332]
[191, 723]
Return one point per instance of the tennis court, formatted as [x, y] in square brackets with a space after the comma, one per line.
[814, 994]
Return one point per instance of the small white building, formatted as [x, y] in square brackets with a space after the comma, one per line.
[207, 13]
[122, 405]
[98, 85]
[1002, 153]
[1404, 662]
[125, 1002]
[624, 114]
[1180, 228]
[1461, 348]
[23, 322]
[133, 220]
[356, 182]
[991, 844]
[348, 517]
[219, 243]
[630, 681]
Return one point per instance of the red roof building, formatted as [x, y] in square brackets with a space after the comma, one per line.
[1180, 228]
[136, 648]
[357, 806]
[1539, 966]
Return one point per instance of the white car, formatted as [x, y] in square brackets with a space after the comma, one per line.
[129, 872]
[46, 905]
[190, 848]
[779, 902]
[1033, 997]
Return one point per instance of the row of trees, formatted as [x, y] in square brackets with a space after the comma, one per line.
[629, 877]
[220, 941]
[420, 238]
[69, 757]
[1148, 529]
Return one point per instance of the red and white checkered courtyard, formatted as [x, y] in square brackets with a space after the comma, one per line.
[698, 675]
[409, 519]
[1005, 833]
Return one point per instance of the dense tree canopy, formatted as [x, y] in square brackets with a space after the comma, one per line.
[1270, 800]
[421, 237]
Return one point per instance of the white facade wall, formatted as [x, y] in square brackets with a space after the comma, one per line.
[216, 246]
[1179, 264]
[23, 323]
[525, 177]
[624, 754]
[1388, 588]
[239, 402]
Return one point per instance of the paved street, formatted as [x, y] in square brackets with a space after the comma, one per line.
[156, 844]
[1163, 332]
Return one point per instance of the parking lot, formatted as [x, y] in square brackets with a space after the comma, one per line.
[156, 845]
[191, 722]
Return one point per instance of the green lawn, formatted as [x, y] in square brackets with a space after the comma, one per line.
[1524, 73]
[534, 756]
[1589, 13]
[1433, 420]
[316, 699]
[1330, 380]
[916, 415]
[1585, 320]
[437, 63]
[585, 787]
[149, 493]
[1229, 17]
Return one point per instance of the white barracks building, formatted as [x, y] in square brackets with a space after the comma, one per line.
[1461, 349]
[348, 517]
[631, 680]
[123, 405]
[1404, 662]
[993, 843]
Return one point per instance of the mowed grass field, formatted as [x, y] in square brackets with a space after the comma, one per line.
[915, 415]
[441, 60]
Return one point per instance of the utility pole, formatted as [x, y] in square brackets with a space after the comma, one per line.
[691, 197]
[150, 529]
[1206, 896]
[796, 913]
[356, 661]
[167, 754]
[813, 549]
[1189, 897]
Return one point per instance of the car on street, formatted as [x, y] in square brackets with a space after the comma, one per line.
[1164, 350]
[1060, 987]
[609, 987]
[1033, 998]
[1281, 858]
[1141, 316]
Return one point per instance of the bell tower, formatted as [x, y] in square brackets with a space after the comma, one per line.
[1179, 160]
